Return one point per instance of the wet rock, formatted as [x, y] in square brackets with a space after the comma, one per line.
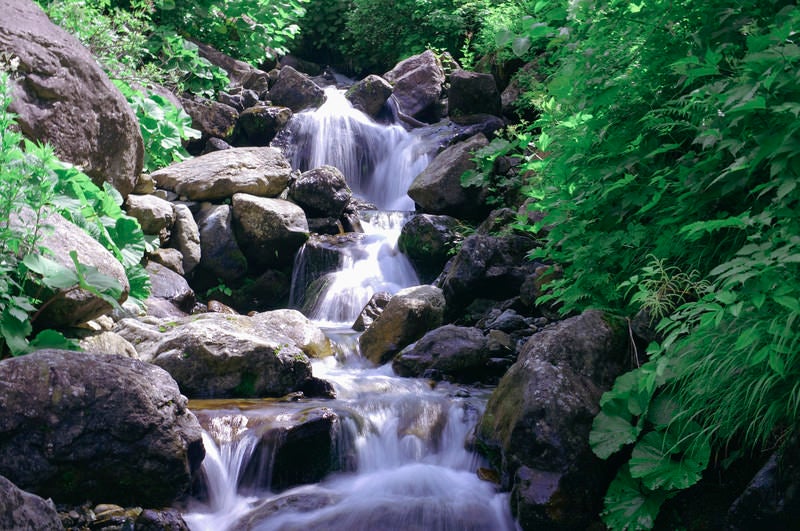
[321, 192]
[370, 94]
[377, 303]
[409, 314]
[20, 510]
[219, 355]
[220, 254]
[269, 291]
[269, 231]
[417, 83]
[154, 214]
[295, 501]
[296, 90]
[487, 267]
[472, 93]
[538, 421]
[438, 190]
[260, 123]
[321, 255]
[453, 353]
[160, 520]
[428, 240]
[186, 238]
[305, 334]
[212, 118]
[170, 286]
[261, 171]
[61, 96]
[75, 426]
[75, 306]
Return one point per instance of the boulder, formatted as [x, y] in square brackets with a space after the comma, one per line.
[453, 353]
[321, 192]
[377, 303]
[370, 94]
[408, 315]
[296, 90]
[212, 118]
[537, 421]
[417, 83]
[321, 255]
[438, 190]
[238, 72]
[259, 124]
[62, 96]
[220, 254]
[218, 355]
[472, 93]
[269, 231]
[428, 241]
[153, 213]
[74, 306]
[185, 237]
[293, 324]
[23, 511]
[168, 285]
[262, 171]
[487, 267]
[75, 426]
[172, 259]
[269, 291]
[107, 342]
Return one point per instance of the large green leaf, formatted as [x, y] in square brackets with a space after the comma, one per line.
[611, 432]
[662, 460]
[629, 505]
[54, 275]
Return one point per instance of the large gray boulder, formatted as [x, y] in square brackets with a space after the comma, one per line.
[408, 315]
[220, 256]
[74, 426]
[218, 355]
[472, 93]
[370, 94]
[417, 83]
[293, 324]
[167, 285]
[429, 241]
[261, 171]
[438, 190]
[155, 215]
[60, 236]
[296, 90]
[185, 237]
[269, 231]
[212, 118]
[537, 421]
[259, 124]
[63, 97]
[23, 511]
[321, 192]
[453, 353]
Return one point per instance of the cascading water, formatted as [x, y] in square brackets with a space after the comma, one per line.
[406, 440]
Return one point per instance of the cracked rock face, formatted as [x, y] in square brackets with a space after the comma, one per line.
[77, 427]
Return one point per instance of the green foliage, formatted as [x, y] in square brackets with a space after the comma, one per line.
[163, 126]
[671, 184]
[33, 183]
[183, 67]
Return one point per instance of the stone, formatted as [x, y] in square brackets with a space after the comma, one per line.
[74, 426]
[154, 214]
[168, 285]
[62, 96]
[260, 123]
[212, 118]
[452, 353]
[75, 306]
[487, 267]
[214, 355]
[144, 185]
[320, 256]
[261, 171]
[438, 190]
[220, 254]
[185, 237]
[538, 419]
[172, 259]
[293, 324]
[377, 303]
[269, 231]
[107, 342]
[269, 291]
[409, 314]
[370, 94]
[428, 242]
[296, 90]
[472, 93]
[417, 83]
[321, 192]
[238, 71]
[23, 511]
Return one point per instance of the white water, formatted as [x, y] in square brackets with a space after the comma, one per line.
[412, 471]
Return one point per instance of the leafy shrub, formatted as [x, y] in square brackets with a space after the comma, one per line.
[35, 181]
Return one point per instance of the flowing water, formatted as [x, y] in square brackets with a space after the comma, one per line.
[397, 445]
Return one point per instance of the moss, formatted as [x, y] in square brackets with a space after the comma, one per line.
[247, 385]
